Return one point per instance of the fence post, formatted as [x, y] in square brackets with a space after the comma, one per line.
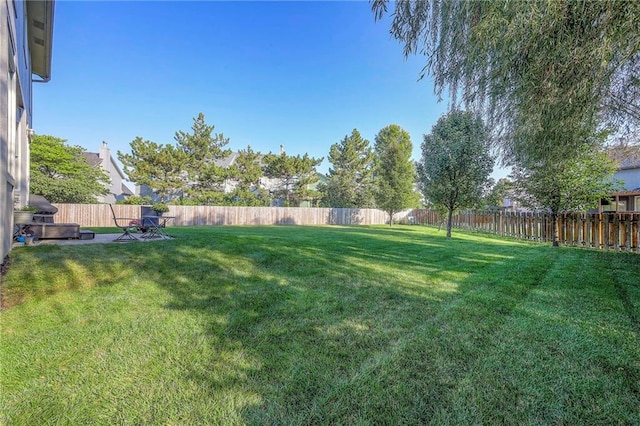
[588, 234]
[606, 242]
[636, 231]
[624, 239]
[616, 231]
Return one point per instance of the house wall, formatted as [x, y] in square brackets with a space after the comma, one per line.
[116, 175]
[630, 178]
[15, 116]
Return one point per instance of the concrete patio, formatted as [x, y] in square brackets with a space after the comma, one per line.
[99, 239]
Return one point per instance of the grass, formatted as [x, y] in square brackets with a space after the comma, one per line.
[324, 325]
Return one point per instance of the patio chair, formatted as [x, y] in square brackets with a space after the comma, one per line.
[124, 224]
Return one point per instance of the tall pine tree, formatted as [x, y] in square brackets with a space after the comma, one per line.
[350, 177]
[246, 173]
[160, 167]
[295, 174]
[204, 149]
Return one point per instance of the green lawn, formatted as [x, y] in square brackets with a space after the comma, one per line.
[324, 325]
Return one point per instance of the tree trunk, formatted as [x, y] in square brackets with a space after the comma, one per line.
[449, 222]
[554, 232]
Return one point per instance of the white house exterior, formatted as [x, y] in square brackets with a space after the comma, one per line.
[26, 37]
[118, 190]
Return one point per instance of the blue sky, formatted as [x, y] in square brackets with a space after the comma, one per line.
[298, 74]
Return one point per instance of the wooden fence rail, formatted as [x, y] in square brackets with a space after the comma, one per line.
[99, 215]
[609, 231]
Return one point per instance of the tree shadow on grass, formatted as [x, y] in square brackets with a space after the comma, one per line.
[347, 325]
[348, 335]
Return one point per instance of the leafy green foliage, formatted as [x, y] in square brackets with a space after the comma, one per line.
[394, 172]
[349, 183]
[571, 185]
[62, 174]
[160, 207]
[575, 185]
[160, 167]
[136, 200]
[185, 170]
[295, 174]
[544, 73]
[498, 192]
[456, 162]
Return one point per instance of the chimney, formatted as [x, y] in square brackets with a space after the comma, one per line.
[104, 151]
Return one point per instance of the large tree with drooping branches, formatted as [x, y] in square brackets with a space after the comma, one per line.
[545, 74]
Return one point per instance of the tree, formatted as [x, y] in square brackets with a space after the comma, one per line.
[543, 73]
[136, 200]
[295, 174]
[349, 180]
[394, 172]
[246, 173]
[160, 167]
[499, 191]
[456, 163]
[203, 150]
[62, 174]
[571, 185]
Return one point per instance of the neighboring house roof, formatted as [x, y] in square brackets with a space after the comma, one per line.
[95, 160]
[126, 190]
[626, 157]
[92, 158]
[631, 192]
[629, 163]
[227, 161]
[40, 30]
[118, 169]
[231, 158]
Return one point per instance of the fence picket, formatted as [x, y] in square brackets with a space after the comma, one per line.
[608, 231]
[99, 215]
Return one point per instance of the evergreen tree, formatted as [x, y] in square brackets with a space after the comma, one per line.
[204, 150]
[160, 167]
[295, 174]
[349, 183]
[246, 173]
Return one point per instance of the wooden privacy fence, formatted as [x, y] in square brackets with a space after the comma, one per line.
[609, 231]
[99, 215]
